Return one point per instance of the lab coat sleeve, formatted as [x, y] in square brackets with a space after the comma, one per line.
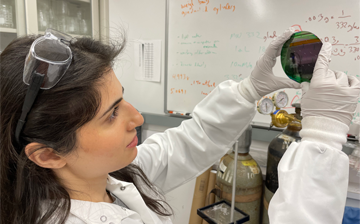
[180, 154]
[313, 176]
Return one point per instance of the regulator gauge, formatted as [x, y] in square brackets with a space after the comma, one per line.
[280, 99]
[265, 106]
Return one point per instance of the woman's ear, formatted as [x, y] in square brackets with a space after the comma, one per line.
[44, 156]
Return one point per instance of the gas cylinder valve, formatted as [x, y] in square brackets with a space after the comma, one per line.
[279, 118]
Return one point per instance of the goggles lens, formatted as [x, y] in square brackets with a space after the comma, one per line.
[49, 55]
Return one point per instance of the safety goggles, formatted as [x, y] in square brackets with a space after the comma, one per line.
[46, 63]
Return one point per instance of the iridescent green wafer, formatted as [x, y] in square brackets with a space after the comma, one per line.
[299, 55]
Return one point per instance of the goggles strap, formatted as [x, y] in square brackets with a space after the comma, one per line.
[31, 94]
[66, 42]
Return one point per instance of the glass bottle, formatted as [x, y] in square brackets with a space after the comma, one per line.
[6, 15]
[43, 15]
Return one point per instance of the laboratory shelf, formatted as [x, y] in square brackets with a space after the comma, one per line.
[86, 1]
[8, 30]
[73, 35]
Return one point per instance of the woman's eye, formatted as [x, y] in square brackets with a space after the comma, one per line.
[114, 114]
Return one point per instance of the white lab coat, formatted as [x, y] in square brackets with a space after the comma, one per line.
[312, 174]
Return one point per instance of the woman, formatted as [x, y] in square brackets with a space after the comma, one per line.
[76, 160]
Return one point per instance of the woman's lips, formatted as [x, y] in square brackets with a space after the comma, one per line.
[133, 143]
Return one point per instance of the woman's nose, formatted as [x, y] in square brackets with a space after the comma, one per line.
[136, 119]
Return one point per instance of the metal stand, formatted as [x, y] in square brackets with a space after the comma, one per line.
[234, 182]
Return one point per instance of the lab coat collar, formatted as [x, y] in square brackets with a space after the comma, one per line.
[113, 181]
[128, 193]
[98, 212]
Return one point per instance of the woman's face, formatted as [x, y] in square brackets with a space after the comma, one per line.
[108, 142]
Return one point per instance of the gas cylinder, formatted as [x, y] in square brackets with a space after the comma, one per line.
[248, 179]
[276, 150]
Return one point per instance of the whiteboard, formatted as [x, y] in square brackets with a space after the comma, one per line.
[209, 41]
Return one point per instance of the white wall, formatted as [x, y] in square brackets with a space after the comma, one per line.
[142, 19]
